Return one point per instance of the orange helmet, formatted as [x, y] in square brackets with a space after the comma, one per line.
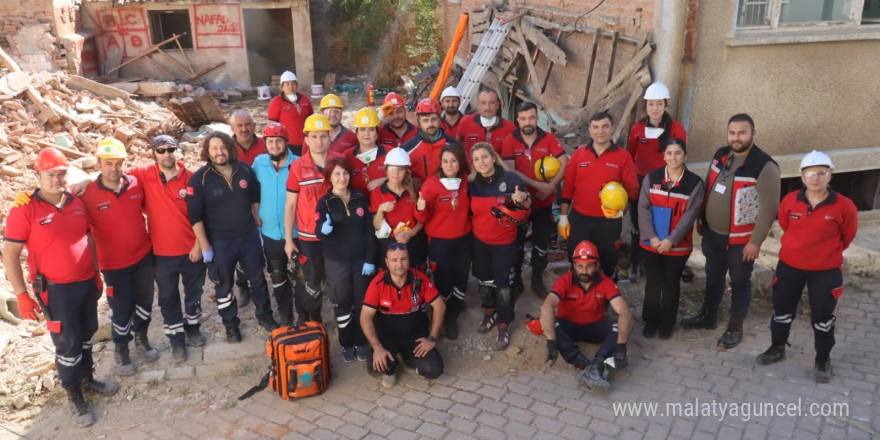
[51, 159]
[510, 214]
[275, 129]
[427, 106]
[585, 251]
[395, 99]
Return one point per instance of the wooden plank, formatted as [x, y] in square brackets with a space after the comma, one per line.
[185, 58]
[628, 110]
[77, 82]
[611, 57]
[179, 66]
[524, 50]
[69, 152]
[634, 64]
[206, 71]
[544, 44]
[590, 67]
[550, 66]
[146, 52]
[162, 69]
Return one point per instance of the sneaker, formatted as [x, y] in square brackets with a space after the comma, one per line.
[705, 319]
[178, 353]
[363, 352]
[503, 340]
[268, 323]
[772, 355]
[592, 379]
[233, 334]
[389, 380]
[732, 336]
[650, 330]
[634, 274]
[488, 321]
[349, 354]
[822, 373]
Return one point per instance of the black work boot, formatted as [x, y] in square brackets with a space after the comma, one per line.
[705, 319]
[142, 343]
[593, 378]
[268, 323]
[121, 355]
[580, 362]
[178, 352]
[79, 407]
[538, 283]
[194, 337]
[733, 335]
[233, 334]
[450, 327]
[774, 354]
[822, 373]
[104, 388]
[315, 315]
[244, 294]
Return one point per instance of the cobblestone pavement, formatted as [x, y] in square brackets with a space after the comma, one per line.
[511, 395]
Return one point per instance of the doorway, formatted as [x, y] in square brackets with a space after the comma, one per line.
[269, 43]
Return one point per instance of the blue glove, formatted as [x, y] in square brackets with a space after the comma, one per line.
[260, 232]
[327, 227]
[208, 255]
[368, 269]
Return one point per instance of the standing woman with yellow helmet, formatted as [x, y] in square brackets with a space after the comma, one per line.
[367, 158]
[647, 143]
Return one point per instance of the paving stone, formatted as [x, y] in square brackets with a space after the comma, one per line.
[183, 372]
[352, 431]
[431, 430]
[150, 376]
[465, 411]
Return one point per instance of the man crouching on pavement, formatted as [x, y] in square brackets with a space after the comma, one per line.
[394, 323]
[574, 311]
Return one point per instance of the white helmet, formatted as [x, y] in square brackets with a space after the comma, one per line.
[397, 156]
[816, 159]
[450, 92]
[288, 76]
[657, 91]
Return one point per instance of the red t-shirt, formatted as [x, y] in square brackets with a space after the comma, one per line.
[579, 306]
[55, 238]
[525, 157]
[307, 179]
[346, 140]
[117, 223]
[390, 139]
[257, 147]
[447, 212]
[361, 173]
[292, 116]
[165, 205]
[587, 173]
[400, 312]
[404, 206]
[471, 131]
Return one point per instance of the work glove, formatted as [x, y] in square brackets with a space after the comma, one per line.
[21, 199]
[552, 352]
[208, 255]
[27, 307]
[612, 213]
[327, 227]
[99, 283]
[620, 361]
[563, 227]
[368, 269]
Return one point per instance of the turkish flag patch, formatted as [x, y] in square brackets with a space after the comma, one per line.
[189, 191]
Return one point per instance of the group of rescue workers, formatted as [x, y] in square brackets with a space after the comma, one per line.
[390, 219]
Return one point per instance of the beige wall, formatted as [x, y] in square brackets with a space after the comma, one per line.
[802, 96]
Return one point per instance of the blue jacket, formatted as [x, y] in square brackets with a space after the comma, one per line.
[273, 194]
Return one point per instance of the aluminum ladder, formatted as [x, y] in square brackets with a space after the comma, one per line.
[469, 85]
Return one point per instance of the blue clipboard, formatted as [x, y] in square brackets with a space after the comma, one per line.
[662, 221]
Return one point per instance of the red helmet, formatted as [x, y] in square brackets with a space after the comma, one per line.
[427, 106]
[395, 99]
[275, 129]
[585, 251]
[510, 214]
[51, 159]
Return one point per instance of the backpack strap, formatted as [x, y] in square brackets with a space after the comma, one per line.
[264, 382]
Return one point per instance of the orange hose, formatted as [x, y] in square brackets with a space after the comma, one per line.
[446, 68]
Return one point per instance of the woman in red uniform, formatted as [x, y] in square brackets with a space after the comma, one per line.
[367, 158]
[818, 224]
[669, 204]
[393, 205]
[444, 207]
[494, 238]
[647, 140]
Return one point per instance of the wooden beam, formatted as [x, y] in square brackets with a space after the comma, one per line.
[162, 69]
[634, 64]
[544, 44]
[146, 52]
[524, 50]
[69, 152]
[77, 82]
[590, 67]
[611, 57]
[629, 109]
[206, 71]
[550, 66]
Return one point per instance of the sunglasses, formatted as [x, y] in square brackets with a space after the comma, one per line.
[397, 246]
[166, 150]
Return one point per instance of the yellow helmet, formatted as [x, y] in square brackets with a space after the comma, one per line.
[316, 122]
[111, 148]
[547, 167]
[366, 118]
[613, 196]
[330, 101]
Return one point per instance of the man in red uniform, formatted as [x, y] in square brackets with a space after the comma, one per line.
[115, 206]
[396, 129]
[246, 140]
[450, 100]
[522, 149]
[305, 186]
[291, 109]
[61, 261]
[394, 321]
[341, 138]
[574, 311]
[178, 257]
[590, 168]
[424, 149]
[486, 125]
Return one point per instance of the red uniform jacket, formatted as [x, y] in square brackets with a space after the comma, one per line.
[815, 237]
[291, 115]
[644, 151]
[588, 172]
[471, 131]
[361, 173]
[307, 179]
[447, 212]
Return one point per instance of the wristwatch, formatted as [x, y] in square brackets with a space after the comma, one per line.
[432, 339]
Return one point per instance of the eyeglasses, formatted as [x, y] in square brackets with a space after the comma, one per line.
[166, 150]
[823, 173]
[397, 246]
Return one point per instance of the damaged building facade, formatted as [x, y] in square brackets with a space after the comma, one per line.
[226, 43]
[799, 68]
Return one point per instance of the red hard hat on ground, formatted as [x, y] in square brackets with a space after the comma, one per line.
[395, 99]
[585, 251]
[509, 214]
[427, 106]
[51, 159]
[275, 129]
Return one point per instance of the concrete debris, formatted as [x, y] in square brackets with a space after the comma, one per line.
[20, 401]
